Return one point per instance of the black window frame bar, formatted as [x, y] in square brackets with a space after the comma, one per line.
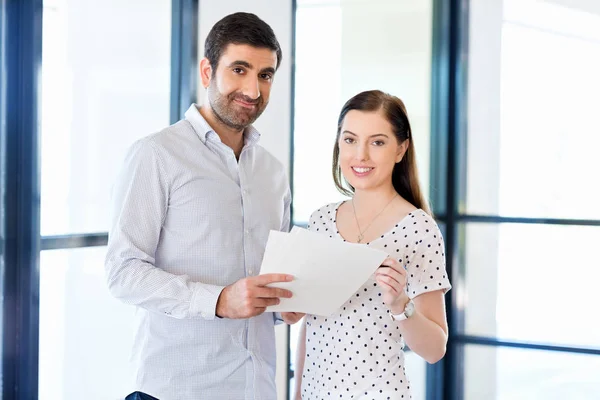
[290, 367]
[20, 245]
[445, 380]
[448, 144]
[21, 58]
[184, 56]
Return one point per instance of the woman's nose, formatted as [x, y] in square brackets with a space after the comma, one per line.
[362, 153]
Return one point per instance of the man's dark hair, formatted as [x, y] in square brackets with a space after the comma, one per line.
[239, 28]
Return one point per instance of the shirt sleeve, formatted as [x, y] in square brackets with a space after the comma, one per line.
[140, 200]
[426, 262]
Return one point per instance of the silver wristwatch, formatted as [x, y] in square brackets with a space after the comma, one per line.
[409, 310]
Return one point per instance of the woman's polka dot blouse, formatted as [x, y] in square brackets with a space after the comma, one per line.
[357, 352]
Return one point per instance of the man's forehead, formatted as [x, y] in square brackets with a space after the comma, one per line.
[256, 57]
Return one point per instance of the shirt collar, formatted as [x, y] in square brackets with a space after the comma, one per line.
[205, 131]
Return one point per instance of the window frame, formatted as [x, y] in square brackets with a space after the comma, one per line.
[20, 115]
[449, 136]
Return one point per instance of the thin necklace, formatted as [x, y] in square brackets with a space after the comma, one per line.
[361, 233]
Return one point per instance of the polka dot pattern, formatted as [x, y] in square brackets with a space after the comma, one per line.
[357, 353]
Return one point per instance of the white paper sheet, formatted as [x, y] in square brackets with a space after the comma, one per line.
[326, 271]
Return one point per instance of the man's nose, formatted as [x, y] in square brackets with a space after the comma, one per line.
[251, 88]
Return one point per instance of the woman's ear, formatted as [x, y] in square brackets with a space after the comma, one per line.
[402, 147]
[205, 72]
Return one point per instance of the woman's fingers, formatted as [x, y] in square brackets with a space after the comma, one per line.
[387, 286]
[394, 264]
[394, 270]
[393, 274]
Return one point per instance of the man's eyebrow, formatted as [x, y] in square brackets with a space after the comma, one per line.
[268, 70]
[246, 64]
[241, 63]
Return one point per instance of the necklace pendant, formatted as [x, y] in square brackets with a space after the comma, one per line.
[360, 237]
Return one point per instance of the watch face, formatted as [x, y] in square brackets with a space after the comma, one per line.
[410, 309]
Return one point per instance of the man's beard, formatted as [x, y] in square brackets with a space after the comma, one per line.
[234, 116]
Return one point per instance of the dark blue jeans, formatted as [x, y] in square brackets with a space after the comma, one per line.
[140, 396]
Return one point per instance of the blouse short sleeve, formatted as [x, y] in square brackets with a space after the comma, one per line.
[426, 259]
[323, 220]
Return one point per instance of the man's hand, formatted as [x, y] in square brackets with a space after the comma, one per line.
[250, 297]
[291, 318]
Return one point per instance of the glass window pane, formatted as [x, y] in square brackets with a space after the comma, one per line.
[337, 61]
[532, 283]
[416, 369]
[532, 113]
[105, 83]
[294, 333]
[498, 373]
[85, 334]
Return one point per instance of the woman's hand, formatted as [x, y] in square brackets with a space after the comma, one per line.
[291, 318]
[391, 278]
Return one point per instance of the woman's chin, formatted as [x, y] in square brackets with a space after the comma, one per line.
[359, 184]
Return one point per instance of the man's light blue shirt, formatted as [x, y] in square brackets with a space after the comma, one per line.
[188, 220]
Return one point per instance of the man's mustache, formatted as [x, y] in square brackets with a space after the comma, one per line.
[245, 99]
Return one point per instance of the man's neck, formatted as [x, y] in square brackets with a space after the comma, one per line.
[230, 137]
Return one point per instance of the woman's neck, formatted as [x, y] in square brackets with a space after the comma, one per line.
[374, 199]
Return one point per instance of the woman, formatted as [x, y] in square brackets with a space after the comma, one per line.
[358, 351]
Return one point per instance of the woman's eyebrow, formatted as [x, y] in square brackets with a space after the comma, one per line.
[370, 137]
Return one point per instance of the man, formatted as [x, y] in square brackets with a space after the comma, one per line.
[193, 207]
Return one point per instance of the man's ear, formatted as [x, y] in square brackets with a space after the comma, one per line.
[205, 72]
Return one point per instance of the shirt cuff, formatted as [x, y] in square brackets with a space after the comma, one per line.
[204, 301]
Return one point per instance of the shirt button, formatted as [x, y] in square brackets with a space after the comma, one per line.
[249, 272]
[247, 231]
